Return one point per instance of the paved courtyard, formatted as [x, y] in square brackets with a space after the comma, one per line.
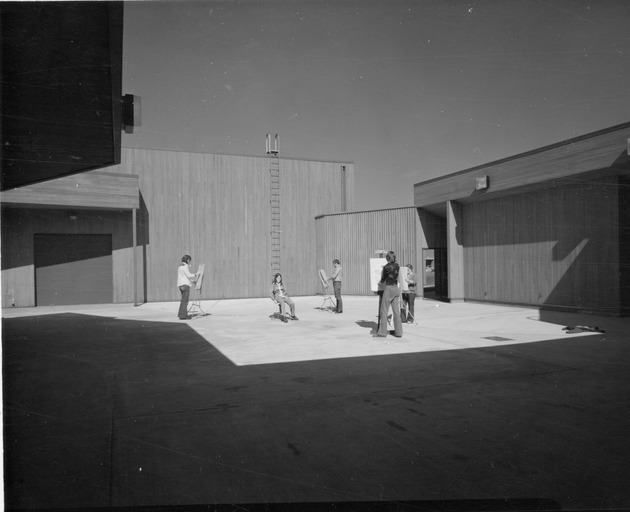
[475, 406]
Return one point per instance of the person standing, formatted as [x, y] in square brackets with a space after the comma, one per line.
[410, 296]
[280, 296]
[185, 280]
[391, 297]
[336, 279]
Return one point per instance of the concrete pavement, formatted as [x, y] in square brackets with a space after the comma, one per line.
[120, 406]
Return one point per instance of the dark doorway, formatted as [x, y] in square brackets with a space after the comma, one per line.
[73, 269]
[435, 279]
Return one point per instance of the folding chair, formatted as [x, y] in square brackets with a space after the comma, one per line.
[278, 313]
[323, 278]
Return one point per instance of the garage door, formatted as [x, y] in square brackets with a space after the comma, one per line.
[73, 269]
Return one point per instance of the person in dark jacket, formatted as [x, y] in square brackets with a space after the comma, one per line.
[391, 297]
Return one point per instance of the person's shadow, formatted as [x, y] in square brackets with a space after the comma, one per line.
[373, 326]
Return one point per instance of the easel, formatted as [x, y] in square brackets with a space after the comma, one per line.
[327, 298]
[404, 289]
[195, 304]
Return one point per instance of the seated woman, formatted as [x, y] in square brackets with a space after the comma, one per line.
[280, 296]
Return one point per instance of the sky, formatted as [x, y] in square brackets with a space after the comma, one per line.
[406, 90]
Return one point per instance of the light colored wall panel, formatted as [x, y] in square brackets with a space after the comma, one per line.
[217, 209]
[455, 251]
[214, 207]
[307, 189]
[84, 190]
[354, 237]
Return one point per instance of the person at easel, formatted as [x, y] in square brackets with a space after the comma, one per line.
[336, 280]
[185, 280]
[390, 297]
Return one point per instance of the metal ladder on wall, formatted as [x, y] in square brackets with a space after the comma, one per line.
[274, 171]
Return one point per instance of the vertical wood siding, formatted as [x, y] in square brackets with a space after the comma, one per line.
[353, 238]
[217, 209]
[19, 225]
[624, 245]
[306, 191]
[554, 247]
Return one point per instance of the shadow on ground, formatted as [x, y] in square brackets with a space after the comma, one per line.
[102, 412]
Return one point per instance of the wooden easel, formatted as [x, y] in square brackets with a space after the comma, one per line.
[327, 298]
[195, 304]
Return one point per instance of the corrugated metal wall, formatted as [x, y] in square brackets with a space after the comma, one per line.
[353, 238]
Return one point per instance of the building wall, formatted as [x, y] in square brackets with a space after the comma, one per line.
[433, 229]
[217, 209]
[624, 245]
[353, 238]
[555, 247]
[214, 207]
[19, 225]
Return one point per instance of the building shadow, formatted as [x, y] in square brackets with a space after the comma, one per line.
[102, 412]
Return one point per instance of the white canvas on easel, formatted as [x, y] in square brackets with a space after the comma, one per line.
[195, 305]
[200, 277]
[376, 269]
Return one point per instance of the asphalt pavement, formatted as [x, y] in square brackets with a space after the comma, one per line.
[476, 407]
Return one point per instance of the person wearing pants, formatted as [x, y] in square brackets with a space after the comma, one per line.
[185, 280]
[410, 296]
[391, 297]
[336, 279]
[280, 296]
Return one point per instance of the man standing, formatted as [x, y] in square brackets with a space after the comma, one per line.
[185, 280]
[336, 279]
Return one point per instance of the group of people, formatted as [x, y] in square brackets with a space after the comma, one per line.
[280, 295]
[390, 295]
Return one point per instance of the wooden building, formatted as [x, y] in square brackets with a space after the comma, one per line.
[547, 228]
[61, 91]
[357, 237]
[118, 234]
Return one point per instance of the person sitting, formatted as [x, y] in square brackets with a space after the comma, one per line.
[280, 296]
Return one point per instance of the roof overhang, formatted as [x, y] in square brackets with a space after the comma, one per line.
[599, 154]
[91, 190]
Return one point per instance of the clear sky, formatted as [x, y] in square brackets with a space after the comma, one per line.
[407, 90]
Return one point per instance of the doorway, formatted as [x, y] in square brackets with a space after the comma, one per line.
[435, 273]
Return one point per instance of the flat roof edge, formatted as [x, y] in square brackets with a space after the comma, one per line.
[542, 149]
